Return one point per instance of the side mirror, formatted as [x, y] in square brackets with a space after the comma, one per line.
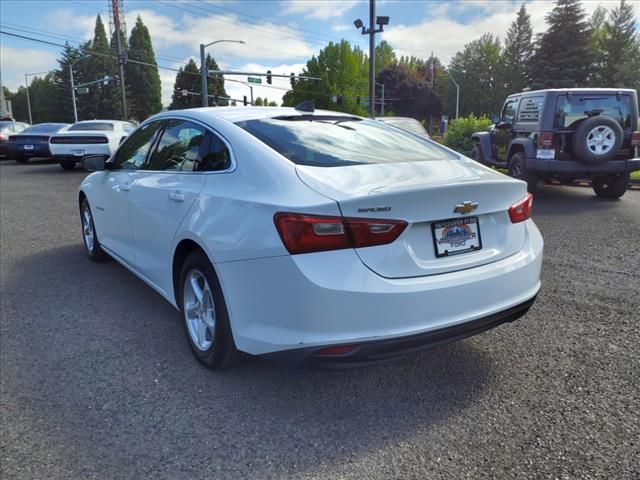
[94, 163]
[495, 118]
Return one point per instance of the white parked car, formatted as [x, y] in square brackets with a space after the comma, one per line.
[91, 137]
[311, 237]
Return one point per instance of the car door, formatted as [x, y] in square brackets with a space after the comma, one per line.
[164, 194]
[112, 214]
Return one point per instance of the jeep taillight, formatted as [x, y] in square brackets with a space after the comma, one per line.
[635, 139]
[545, 140]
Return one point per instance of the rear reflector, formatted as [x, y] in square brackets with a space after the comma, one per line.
[334, 351]
[635, 139]
[521, 211]
[303, 233]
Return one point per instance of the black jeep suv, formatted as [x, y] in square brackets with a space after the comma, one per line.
[566, 134]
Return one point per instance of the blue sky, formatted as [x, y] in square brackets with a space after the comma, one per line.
[280, 34]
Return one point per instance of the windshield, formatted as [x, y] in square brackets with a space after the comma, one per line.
[327, 141]
[47, 127]
[408, 125]
[92, 126]
[570, 109]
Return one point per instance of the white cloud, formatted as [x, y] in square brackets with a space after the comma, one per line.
[15, 62]
[321, 9]
[342, 27]
[442, 32]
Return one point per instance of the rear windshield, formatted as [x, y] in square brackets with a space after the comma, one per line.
[51, 127]
[325, 141]
[412, 126]
[108, 127]
[570, 109]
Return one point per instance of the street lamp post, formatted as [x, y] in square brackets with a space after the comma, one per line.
[203, 69]
[457, 93]
[371, 31]
[26, 83]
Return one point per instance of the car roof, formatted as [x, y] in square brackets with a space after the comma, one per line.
[240, 114]
[574, 90]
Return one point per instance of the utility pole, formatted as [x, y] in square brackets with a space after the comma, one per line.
[382, 104]
[28, 99]
[73, 94]
[121, 57]
[371, 31]
[457, 92]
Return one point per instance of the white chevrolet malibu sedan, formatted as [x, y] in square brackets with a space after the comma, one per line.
[311, 237]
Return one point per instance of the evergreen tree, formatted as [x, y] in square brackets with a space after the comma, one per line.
[62, 81]
[215, 85]
[621, 49]
[518, 51]
[142, 81]
[258, 102]
[563, 57]
[597, 33]
[99, 102]
[187, 79]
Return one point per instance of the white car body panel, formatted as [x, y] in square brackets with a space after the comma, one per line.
[67, 149]
[277, 301]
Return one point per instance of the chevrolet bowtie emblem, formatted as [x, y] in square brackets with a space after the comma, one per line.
[465, 207]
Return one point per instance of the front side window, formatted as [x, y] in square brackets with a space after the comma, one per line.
[133, 152]
[94, 126]
[331, 141]
[575, 107]
[509, 111]
[179, 147]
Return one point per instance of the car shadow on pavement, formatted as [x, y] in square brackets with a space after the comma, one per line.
[108, 370]
[569, 200]
[48, 167]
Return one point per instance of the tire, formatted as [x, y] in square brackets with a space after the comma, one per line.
[475, 154]
[206, 321]
[597, 140]
[21, 159]
[611, 186]
[517, 166]
[68, 164]
[89, 235]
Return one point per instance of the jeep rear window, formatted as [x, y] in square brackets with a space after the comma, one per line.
[572, 108]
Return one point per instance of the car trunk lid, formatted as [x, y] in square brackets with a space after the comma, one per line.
[422, 194]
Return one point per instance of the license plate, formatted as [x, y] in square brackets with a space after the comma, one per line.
[77, 153]
[28, 147]
[546, 154]
[455, 236]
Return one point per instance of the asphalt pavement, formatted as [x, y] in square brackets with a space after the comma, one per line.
[97, 380]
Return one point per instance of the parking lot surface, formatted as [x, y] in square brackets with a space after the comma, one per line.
[97, 380]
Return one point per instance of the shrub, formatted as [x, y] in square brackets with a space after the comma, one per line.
[458, 135]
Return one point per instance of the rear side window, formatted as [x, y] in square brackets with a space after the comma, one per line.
[102, 126]
[52, 127]
[530, 109]
[330, 141]
[179, 147]
[572, 108]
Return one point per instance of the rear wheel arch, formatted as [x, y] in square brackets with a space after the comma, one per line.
[515, 148]
[183, 249]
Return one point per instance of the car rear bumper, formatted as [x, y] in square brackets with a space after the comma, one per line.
[382, 350]
[36, 151]
[305, 302]
[66, 150]
[582, 169]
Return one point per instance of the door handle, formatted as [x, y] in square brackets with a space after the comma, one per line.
[177, 196]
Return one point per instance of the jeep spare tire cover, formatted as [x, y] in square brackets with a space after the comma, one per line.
[597, 139]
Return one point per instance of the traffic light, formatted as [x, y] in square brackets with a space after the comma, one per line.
[339, 99]
[358, 100]
[244, 100]
[292, 80]
[269, 78]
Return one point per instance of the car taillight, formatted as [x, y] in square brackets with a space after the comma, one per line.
[44, 139]
[302, 233]
[3, 137]
[545, 140]
[13, 138]
[635, 139]
[521, 211]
